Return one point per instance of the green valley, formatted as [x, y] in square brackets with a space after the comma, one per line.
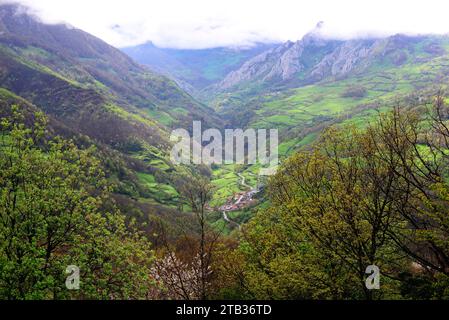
[95, 175]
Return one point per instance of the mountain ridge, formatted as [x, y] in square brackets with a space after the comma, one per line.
[336, 58]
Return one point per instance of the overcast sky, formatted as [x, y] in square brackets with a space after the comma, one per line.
[211, 23]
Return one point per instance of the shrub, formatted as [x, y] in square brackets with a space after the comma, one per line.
[355, 92]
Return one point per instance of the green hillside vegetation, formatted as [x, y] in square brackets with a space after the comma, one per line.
[94, 91]
[56, 211]
[342, 202]
[164, 193]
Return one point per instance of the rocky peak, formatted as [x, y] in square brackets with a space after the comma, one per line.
[315, 36]
[279, 64]
[343, 59]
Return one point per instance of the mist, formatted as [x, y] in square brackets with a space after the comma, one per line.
[198, 24]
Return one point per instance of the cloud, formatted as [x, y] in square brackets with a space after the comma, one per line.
[212, 23]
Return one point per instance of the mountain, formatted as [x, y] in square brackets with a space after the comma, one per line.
[315, 58]
[280, 72]
[97, 95]
[194, 69]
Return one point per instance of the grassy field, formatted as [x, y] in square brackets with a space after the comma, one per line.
[163, 193]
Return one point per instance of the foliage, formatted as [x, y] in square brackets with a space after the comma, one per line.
[55, 212]
[360, 197]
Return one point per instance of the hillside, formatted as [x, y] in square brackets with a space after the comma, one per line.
[93, 90]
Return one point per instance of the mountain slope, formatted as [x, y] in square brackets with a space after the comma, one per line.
[94, 91]
[91, 63]
[281, 63]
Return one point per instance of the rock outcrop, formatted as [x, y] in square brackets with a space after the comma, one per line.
[315, 58]
[279, 64]
[343, 59]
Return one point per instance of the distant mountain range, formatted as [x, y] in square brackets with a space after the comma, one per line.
[314, 58]
[214, 74]
[194, 70]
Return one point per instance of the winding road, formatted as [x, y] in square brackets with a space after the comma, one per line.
[225, 213]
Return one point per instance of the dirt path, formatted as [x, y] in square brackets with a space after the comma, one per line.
[225, 212]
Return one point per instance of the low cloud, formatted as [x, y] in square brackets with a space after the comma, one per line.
[212, 23]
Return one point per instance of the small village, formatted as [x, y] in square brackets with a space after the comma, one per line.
[239, 201]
